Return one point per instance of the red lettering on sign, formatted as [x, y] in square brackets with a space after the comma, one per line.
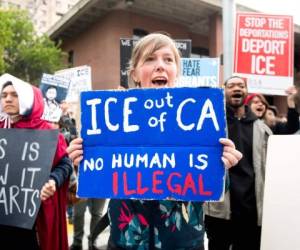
[126, 190]
[115, 183]
[156, 182]
[175, 183]
[140, 189]
[201, 187]
[177, 189]
[189, 183]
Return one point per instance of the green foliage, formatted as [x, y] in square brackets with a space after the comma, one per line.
[23, 53]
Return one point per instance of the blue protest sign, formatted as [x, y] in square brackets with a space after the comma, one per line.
[153, 144]
[199, 72]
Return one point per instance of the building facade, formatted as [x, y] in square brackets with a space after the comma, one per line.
[44, 13]
[90, 32]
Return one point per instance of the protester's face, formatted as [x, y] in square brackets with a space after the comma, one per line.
[235, 92]
[157, 70]
[257, 107]
[270, 118]
[10, 100]
[51, 93]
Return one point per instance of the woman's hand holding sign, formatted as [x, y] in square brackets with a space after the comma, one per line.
[75, 151]
[48, 190]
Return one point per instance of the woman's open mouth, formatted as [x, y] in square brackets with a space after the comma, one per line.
[159, 81]
[260, 110]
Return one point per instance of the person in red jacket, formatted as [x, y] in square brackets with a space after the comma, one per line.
[22, 107]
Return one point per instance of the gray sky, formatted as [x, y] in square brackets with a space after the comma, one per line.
[280, 7]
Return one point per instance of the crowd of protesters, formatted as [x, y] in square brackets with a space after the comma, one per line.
[234, 223]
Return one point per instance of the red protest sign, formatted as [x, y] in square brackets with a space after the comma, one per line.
[264, 51]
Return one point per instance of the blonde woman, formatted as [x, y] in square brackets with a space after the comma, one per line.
[151, 224]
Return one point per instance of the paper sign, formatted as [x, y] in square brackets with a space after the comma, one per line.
[264, 52]
[199, 72]
[80, 80]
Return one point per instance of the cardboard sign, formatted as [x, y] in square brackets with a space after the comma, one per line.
[199, 72]
[153, 144]
[280, 224]
[264, 52]
[126, 46]
[26, 158]
[54, 89]
[80, 80]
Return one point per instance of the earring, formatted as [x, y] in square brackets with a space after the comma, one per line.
[137, 84]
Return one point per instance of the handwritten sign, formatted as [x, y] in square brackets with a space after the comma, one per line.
[264, 52]
[199, 72]
[26, 157]
[126, 46]
[153, 144]
[80, 80]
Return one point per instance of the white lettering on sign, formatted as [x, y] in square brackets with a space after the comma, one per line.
[125, 42]
[159, 120]
[136, 160]
[106, 114]
[93, 164]
[263, 46]
[257, 22]
[3, 176]
[127, 112]
[263, 65]
[180, 45]
[3, 142]
[9, 200]
[202, 161]
[149, 103]
[33, 153]
[275, 23]
[93, 103]
[207, 112]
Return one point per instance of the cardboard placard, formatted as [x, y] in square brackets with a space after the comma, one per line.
[264, 52]
[26, 158]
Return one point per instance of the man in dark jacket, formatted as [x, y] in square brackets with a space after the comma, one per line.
[236, 222]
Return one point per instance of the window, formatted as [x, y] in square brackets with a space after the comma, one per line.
[199, 52]
[139, 33]
[71, 58]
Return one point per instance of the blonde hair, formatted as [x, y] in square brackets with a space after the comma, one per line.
[147, 46]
